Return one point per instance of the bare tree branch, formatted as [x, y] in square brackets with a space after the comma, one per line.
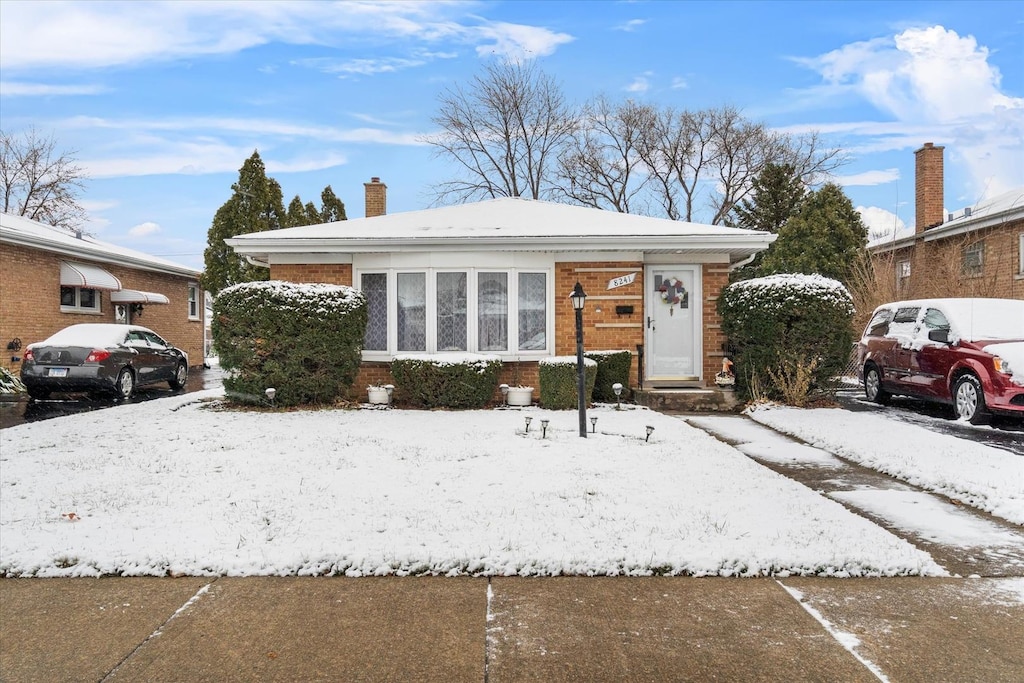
[38, 182]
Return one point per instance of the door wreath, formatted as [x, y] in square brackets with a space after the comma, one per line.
[673, 293]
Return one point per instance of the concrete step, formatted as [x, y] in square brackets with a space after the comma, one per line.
[688, 400]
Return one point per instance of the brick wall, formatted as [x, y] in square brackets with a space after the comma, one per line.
[329, 273]
[928, 188]
[30, 302]
[376, 198]
[715, 277]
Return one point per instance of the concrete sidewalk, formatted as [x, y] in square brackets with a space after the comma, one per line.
[511, 629]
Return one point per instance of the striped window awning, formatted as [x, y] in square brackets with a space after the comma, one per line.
[134, 296]
[90, 277]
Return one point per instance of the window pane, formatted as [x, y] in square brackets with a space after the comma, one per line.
[451, 311]
[492, 307]
[87, 298]
[375, 288]
[67, 296]
[193, 301]
[532, 311]
[412, 312]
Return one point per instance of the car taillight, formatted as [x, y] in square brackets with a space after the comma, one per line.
[97, 355]
[28, 355]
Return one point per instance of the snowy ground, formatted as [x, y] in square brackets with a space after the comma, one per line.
[175, 486]
[984, 477]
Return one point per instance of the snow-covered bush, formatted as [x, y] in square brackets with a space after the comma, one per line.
[302, 339]
[447, 380]
[10, 384]
[612, 367]
[791, 333]
[558, 381]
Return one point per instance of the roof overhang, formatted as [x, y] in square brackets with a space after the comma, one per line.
[134, 296]
[90, 277]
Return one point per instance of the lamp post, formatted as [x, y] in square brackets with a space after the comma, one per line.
[579, 298]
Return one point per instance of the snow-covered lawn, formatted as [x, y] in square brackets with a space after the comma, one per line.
[987, 478]
[175, 486]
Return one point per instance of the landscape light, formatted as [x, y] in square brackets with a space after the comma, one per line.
[504, 393]
[650, 429]
[390, 388]
[271, 392]
[528, 421]
[578, 298]
[617, 388]
[593, 425]
[544, 428]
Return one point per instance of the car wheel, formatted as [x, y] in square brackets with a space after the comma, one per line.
[180, 376]
[125, 385]
[969, 400]
[38, 394]
[873, 386]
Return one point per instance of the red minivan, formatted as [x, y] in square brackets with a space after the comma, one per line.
[968, 353]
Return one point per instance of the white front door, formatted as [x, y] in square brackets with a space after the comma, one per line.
[672, 350]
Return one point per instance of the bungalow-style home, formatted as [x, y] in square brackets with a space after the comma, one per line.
[974, 252]
[494, 277]
[51, 278]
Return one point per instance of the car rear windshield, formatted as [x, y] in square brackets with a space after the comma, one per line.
[97, 336]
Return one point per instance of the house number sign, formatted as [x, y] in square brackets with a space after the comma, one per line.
[621, 281]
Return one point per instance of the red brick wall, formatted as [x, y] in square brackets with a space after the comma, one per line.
[928, 187]
[30, 302]
[715, 277]
[329, 273]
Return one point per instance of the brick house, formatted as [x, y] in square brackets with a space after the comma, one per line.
[51, 278]
[974, 252]
[494, 277]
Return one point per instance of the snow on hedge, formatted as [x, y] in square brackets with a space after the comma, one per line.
[776, 289]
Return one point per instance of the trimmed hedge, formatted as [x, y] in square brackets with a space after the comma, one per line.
[612, 367]
[446, 380]
[784, 327]
[558, 381]
[302, 339]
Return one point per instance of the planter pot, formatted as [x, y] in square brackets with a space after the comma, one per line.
[377, 395]
[520, 396]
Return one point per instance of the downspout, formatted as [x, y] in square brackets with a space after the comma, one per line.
[732, 266]
[256, 262]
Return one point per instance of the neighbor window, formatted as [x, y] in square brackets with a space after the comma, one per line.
[974, 258]
[436, 311]
[1020, 254]
[79, 300]
[904, 269]
[193, 301]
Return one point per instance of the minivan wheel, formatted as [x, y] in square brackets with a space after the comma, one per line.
[873, 386]
[180, 376]
[125, 385]
[969, 400]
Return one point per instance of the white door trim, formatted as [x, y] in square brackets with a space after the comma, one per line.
[652, 301]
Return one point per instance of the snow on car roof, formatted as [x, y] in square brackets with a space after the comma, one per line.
[98, 335]
[976, 319]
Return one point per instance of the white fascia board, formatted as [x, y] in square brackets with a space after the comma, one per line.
[91, 252]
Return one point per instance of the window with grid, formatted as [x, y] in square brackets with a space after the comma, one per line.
[411, 324]
[492, 311]
[375, 288]
[451, 312]
[193, 302]
[532, 311]
[973, 258]
[79, 300]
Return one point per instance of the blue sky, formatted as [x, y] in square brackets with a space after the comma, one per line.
[163, 102]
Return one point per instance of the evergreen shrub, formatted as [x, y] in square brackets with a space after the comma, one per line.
[558, 381]
[304, 340]
[445, 380]
[791, 333]
[612, 367]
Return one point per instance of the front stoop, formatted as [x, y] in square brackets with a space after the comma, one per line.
[688, 400]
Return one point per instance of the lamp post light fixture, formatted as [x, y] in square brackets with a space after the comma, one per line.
[617, 388]
[390, 388]
[650, 430]
[528, 421]
[579, 298]
[271, 392]
[544, 429]
[504, 394]
[593, 425]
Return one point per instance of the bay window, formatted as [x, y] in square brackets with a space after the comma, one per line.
[440, 310]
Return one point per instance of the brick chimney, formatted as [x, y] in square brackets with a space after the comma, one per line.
[928, 187]
[377, 196]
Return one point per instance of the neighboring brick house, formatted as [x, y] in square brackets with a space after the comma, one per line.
[974, 252]
[51, 278]
[494, 277]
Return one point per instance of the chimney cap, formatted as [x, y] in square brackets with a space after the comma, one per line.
[375, 179]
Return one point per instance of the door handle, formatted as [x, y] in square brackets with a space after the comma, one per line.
[649, 325]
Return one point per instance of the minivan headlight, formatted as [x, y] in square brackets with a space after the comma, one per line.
[1002, 365]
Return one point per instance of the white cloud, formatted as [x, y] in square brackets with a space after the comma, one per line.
[518, 41]
[20, 89]
[882, 223]
[935, 85]
[640, 83]
[144, 229]
[868, 178]
[678, 83]
[631, 25]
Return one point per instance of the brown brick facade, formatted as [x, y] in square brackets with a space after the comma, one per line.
[376, 198]
[329, 273]
[30, 302]
[928, 187]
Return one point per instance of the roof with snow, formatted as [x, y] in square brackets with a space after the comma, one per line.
[33, 234]
[506, 224]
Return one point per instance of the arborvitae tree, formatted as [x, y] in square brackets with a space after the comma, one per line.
[774, 198]
[333, 208]
[257, 205]
[826, 237]
[296, 213]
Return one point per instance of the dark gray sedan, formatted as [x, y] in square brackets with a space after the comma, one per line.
[101, 358]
